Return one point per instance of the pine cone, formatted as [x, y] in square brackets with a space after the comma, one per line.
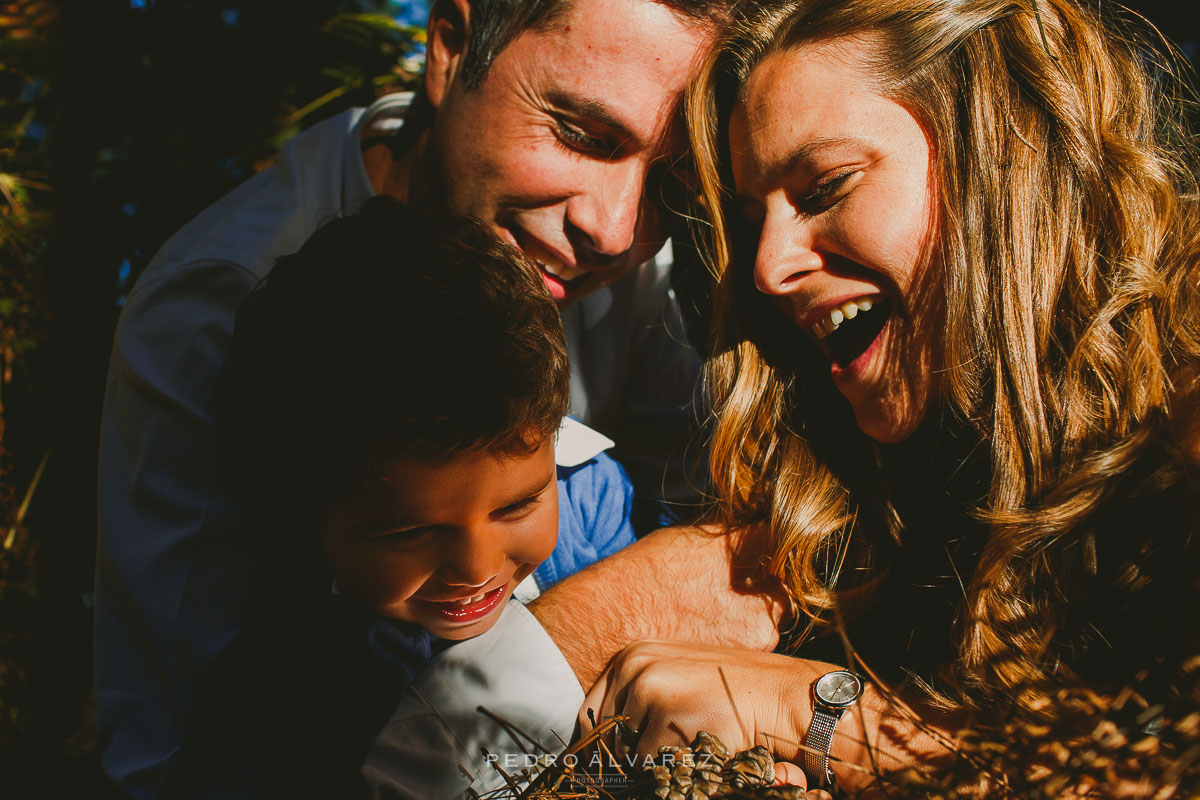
[782, 793]
[749, 769]
[706, 771]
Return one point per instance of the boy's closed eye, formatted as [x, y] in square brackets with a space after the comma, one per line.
[395, 533]
[520, 508]
[405, 532]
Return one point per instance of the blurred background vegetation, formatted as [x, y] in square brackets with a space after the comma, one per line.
[119, 121]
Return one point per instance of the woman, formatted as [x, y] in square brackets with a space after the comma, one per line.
[956, 349]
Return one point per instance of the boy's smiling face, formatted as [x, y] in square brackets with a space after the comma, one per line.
[443, 544]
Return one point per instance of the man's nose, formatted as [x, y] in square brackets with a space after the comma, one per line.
[786, 253]
[603, 217]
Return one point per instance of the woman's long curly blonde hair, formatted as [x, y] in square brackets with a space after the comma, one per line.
[1067, 240]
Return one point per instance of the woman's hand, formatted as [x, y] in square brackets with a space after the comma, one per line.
[672, 690]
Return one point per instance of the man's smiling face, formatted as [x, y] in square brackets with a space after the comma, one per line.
[566, 147]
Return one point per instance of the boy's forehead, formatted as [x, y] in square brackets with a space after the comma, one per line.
[476, 472]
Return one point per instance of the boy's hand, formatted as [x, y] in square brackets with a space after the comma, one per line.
[676, 583]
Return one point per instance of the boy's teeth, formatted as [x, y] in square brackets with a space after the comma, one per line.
[839, 314]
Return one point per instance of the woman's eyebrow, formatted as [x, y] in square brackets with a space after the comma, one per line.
[805, 153]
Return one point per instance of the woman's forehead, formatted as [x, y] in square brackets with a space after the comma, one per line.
[804, 104]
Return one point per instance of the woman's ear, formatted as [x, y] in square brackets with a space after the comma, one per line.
[446, 43]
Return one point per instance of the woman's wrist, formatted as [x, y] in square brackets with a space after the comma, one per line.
[880, 736]
[849, 758]
[857, 731]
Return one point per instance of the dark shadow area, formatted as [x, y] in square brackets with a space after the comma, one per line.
[151, 111]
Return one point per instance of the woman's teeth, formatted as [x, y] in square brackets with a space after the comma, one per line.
[839, 314]
[469, 600]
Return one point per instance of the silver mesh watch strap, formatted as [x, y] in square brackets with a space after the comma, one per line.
[818, 742]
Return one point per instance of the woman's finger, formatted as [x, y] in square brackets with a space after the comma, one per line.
[788, 774]
[593, 701]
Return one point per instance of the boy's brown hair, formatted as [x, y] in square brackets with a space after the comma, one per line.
[391, 333]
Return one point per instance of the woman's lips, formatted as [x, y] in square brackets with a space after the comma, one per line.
[452, 611]
[857, 369]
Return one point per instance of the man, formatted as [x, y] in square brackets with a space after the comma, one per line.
[555, 122]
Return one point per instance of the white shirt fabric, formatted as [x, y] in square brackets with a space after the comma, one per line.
[173, 563]
[433, 746]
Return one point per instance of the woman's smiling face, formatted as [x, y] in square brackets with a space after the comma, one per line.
[835, 179]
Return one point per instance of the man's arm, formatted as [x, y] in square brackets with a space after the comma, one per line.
[677, 583]
[172, 565]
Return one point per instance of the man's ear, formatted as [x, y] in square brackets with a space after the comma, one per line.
[445, 45]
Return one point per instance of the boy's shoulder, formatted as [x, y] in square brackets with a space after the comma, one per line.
[595, 499]
[577, 444]
[589, 479]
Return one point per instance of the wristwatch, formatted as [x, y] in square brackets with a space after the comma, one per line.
[833, 693]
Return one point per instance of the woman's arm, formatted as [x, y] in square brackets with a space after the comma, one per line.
[672, 690]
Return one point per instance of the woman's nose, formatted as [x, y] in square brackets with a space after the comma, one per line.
[785, 253]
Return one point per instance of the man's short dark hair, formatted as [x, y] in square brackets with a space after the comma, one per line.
[496, 23]
[391, 333]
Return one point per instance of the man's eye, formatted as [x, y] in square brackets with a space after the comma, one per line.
[577, 139]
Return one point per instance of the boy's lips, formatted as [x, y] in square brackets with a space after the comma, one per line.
[468, 609]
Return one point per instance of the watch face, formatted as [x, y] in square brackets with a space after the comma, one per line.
[838, 689]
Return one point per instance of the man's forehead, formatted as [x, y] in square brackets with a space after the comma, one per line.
[623, 64]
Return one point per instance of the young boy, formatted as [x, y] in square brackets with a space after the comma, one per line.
[393, 397]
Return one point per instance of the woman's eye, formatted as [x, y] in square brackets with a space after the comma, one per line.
[577, 139]
[828, 191]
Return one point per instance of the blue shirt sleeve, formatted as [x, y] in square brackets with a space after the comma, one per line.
[595, 500]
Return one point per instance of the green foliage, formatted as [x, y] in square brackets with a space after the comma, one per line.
[24, 195]
[26, 204]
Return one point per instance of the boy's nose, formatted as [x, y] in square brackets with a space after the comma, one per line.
[475, 560]
[479, 585]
